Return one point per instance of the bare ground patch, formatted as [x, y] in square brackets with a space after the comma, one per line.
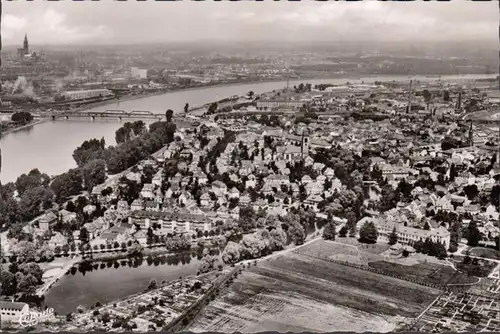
[296, 293]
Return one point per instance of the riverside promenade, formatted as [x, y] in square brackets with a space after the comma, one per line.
[52, 280]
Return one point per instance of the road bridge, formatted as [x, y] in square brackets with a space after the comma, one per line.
[119, 114]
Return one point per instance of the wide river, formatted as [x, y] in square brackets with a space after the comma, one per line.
[49, 146]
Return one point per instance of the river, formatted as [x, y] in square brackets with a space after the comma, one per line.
[49, 146]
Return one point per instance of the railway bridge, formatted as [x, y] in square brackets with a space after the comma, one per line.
[117, 114]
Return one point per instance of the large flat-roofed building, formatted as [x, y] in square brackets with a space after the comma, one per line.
[87, 94]
[12, 311]
[408, 235]
[270, 104]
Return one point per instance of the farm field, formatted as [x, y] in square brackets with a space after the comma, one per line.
[417, 267]
[294, 292]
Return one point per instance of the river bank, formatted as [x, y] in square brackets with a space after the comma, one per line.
[22, 127]
[264, 81]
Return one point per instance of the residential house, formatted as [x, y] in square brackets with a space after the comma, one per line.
[57, 240]
[444, 203]
[67, 216]
[46, 220]
[137, 205]
[201, 176]
[219, 188]
[306, 179]
[312, 202]
[234, 193]
[205, 200]
[245, 200]
[329, 173]
[147, 191]
[158, 178]
[152, 206]
[277, 180]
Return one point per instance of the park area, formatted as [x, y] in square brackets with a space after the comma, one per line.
[297, 292]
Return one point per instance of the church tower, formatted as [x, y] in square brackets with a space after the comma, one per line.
[26, 45]
[305, 144]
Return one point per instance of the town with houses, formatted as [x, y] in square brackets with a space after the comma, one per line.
[308, 170]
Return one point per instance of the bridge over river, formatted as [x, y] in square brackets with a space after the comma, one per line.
[120, 114]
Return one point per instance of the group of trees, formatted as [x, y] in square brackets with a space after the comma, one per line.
[260, 243]
[34, 196]
[431, 248]
[21, 117]
[129, 131]
[23, 274]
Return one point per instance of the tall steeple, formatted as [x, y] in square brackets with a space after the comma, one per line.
[25, 44]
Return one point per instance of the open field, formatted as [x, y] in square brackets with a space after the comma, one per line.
[294, 292]
[351, 251]
[487, 253]
[477, 267]
[428, 272]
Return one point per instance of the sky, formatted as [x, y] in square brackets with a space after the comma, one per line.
[131, 22]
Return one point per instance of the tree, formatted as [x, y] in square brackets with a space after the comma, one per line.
[122, 135]
[94, 173]
[138, 127]
[389, 198]
[393, 237]
[343, 231]
[31, 180]
[453, 172]
[32, 269]
[427, 95]
[186, 108]
[34, 201]
[207, 264]
[473, 235]
[89, 150]
[368, 233]
[471, 191]
[9, 283]
[329, 231]
[169, 114]
[84, 235]
[21, 117]
[427, 227]
[28, 284]
[152, 284]
[231, 253]
[67, 184]
[446, 96]
[105, 318]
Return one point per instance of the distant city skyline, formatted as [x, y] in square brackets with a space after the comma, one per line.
[111, 22]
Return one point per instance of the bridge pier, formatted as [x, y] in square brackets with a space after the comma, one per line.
[119, 118]
[53, 117]
[92, 118]
[66, 117]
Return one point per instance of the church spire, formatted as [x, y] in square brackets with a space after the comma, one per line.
[25, 44]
